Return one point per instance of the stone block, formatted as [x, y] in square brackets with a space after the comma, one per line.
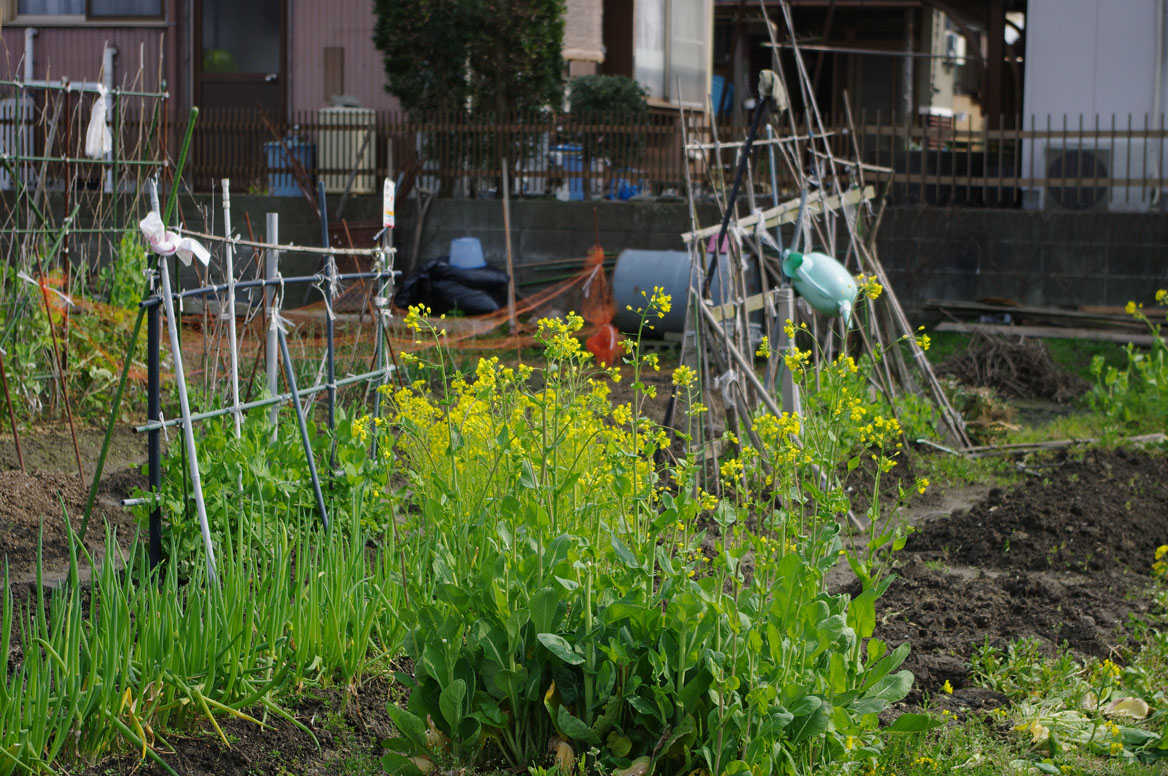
[1143, 261]
[1073, 258]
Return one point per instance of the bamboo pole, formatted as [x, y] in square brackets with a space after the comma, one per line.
[11, 413]
[507, 242]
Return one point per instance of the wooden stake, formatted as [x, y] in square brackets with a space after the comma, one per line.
[11, 414]
[507, 241]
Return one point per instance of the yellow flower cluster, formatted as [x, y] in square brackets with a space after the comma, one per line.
[660, 303]
[558, 337]
[880, 431]
[414, 316]
[684, 376]
[361, 429]
[797, 361]
[764, 348]
[773, 430]
[1108, 670]
[731, 470]
[869, 286]
[622, 414]
[922, 484]
[1160, 566]
[1162, 296]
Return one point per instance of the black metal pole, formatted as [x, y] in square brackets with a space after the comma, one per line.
[290, 378]
[759, 109]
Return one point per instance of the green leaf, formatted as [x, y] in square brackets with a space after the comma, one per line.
[891, 688]
[399, 765]
[574, 727]
[808, 727]
[543, 609]
[450, 702]
[560, 647]
[885, 665]
[862, 613]
[618, 745]
[853, 462]
[624, 554]
[913, 723]
[805, 705]
[411, 728]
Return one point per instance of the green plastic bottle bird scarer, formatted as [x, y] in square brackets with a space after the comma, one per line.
[823, 282]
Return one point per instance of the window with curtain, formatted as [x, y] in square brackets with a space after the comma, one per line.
[671, 49]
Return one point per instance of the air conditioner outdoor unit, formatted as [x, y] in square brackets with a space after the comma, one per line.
[1079, 176]
[347, 141]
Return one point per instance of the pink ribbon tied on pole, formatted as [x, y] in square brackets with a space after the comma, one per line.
[166, 243]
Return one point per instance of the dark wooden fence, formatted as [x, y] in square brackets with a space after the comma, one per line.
[1080, 162]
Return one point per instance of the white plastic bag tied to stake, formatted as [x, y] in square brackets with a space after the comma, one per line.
[98, 140]
[166, 243]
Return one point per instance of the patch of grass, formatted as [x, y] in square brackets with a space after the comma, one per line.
[1075, 355]
[944, 344]
[957, 470]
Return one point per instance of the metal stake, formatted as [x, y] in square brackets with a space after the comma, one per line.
[185, 408]
[290, 379]
[229, 259]
[330, 326]
[271, 267]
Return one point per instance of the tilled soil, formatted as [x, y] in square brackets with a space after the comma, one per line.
[1063, 557]
[33, 507]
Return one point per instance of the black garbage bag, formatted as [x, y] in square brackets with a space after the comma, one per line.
[445, 288]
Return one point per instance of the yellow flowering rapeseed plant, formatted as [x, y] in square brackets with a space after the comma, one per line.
[869, 286]
[1160, 565]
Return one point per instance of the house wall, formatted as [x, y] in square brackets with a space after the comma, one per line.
[75, 52]
[1092, 60]
[583, 37]
[344, 24]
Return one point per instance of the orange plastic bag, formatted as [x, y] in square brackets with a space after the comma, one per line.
[605, 344]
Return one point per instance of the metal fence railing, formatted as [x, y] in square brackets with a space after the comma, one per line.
[1068, 162]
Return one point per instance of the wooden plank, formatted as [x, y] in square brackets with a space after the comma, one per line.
[989, 451]
[1113, 315]
[723, 311]
[787, 212]
[1051, 332]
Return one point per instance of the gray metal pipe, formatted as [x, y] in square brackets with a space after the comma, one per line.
[290, 378]
[376, 374]
[188, 426]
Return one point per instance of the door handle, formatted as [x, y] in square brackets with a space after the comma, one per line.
[270, 78]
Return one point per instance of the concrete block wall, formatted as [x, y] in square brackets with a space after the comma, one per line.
[1029, 257]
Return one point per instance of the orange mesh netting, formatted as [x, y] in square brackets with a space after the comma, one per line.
[587, 292]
